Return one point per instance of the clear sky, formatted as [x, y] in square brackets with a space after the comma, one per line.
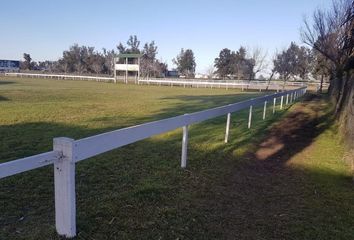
[46, 28]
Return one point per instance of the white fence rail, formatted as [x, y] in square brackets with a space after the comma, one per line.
[61, 76]
[66, 152]
[240, 84]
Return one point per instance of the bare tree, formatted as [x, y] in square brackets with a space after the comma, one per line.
[328, 34]
[108, 60]
[259, 57]
[97, 63]
[210, 71]
[273, 69]
[321, 68]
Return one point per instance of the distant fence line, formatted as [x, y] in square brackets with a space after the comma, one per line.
[240, 84]
[183, 82]
[67, 152]
[61, 76]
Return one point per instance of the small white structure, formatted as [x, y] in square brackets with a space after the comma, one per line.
[201, 76]
[125, 65]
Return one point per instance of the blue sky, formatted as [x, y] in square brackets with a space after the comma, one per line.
[46, 28]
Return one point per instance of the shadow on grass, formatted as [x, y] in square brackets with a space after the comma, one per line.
[190, 104]
[3, 98]
[6, 82]
[265, 198]
[140, 192]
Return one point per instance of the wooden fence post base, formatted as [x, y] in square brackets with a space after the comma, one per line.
[64, 187]
[184, 147]
[227, 127]
[287, 99]
[264, 110]
[281, 102]
[250, 117]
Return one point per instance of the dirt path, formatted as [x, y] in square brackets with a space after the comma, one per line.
[265, 197]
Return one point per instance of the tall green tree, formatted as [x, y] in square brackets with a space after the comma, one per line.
[149, 65]
[293, 62]
[223, 63]
[234, 64]
[283, 63]
[242, 67]
[304, 62]
[27, 63]
[185, 62]
[132, 45]
[109, 56]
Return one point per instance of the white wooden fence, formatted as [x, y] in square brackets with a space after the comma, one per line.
[67, 152]
[61, 76]
[240, 84]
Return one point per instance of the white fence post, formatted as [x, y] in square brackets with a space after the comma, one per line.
[291, 97]
[274, 102]
[184, 147]
[281, 102]
[287, 99]
[264, 109]
[250, 117]
[227, 127]
[64, 187]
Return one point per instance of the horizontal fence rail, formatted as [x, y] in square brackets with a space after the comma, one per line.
[28, 163]
[61, 76]
[240, 84]
[66, 152]
[243, 81]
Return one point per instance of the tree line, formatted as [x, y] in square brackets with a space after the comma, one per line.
[296, 62]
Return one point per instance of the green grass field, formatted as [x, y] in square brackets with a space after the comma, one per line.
[140, 192]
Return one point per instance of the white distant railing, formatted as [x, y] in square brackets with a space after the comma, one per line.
[240, 84]
[61, 76]
[66, 152]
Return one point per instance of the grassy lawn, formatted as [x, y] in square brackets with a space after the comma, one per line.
[228, 191]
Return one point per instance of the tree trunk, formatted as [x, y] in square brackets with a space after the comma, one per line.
[270, 79]
[347, 118]
[342, 94]
[336, 85]
[321, 84]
